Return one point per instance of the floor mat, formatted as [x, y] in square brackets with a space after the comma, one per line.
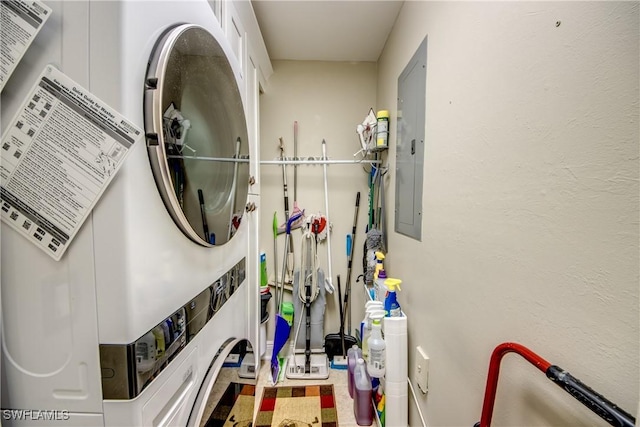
[304, 406]
[235, 408]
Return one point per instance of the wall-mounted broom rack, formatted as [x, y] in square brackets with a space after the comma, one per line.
[307, 161]
[318, 161]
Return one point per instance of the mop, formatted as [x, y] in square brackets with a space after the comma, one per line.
[310, 365]
[282, 326]
[290, 264]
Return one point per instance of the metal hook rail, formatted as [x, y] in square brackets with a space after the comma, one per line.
[607, 410]
[309, 161]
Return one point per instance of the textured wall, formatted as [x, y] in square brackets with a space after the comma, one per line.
[530, 224]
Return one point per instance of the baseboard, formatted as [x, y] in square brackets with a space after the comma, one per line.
[268, 351]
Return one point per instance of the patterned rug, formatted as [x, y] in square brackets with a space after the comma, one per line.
[304, 406]
[235, 408]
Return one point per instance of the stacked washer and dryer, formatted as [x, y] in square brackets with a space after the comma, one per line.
[160, 285]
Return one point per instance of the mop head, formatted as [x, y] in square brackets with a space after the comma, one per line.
[318, 225]
[374, 244]
[374, 239]
[295, 224]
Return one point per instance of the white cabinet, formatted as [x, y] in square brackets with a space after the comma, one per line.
[240, 26]
[234, 30]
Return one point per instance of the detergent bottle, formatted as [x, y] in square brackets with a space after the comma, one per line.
[376, 311]
[377, 347]
[362, 407]
[353, 354]
[391, 305]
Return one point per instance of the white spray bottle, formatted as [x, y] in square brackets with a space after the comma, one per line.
[377, 347]
[376, 312]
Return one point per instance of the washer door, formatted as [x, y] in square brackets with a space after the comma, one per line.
[197, 134]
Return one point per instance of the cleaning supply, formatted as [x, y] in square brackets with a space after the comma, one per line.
[362, 407]
[391, 305]
[287, 312]
[380, 287]
[353, 355]
[380, 404]
[366, 321]
[379, 265]
[263, 270]
[378, 312]
[377, 347]
[382, 138]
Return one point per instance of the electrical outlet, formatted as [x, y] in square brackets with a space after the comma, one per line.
[421, 371]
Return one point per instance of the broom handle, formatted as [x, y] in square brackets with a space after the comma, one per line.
[344, 353]
[349, 266]
[326, 206]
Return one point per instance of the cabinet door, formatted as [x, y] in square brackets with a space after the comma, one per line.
[234, 30]
[253, 123]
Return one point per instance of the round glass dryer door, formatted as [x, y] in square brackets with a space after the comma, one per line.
[197, 134]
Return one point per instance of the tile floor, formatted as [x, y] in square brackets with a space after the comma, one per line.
[337, 377]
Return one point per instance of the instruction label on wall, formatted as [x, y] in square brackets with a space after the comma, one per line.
[20, 21]
[59, 153]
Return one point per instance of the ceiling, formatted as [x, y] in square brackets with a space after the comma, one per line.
[326, 30]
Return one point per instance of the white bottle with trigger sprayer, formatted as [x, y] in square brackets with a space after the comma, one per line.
[377, 347]
[367, 328]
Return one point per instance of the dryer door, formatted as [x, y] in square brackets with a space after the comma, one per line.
[197, 134]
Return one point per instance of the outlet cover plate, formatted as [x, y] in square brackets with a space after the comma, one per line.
[421, 371]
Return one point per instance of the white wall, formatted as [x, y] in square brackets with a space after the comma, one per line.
[530, 225]
[328, 100]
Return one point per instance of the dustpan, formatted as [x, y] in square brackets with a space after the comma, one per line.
[280, 339]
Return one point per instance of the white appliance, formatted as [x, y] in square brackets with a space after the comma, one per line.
[74, 332]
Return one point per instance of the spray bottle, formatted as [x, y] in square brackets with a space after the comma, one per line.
[377, 347]
[391, 305]
[376, 312]
[379, 266]
[366, 322]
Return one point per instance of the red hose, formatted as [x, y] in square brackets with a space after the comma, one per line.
[494, 371]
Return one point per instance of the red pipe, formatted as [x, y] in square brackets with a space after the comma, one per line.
[494, 371]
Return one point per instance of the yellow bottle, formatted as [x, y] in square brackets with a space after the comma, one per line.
[379, 265]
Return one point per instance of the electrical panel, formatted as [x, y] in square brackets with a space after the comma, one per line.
[410, 144]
